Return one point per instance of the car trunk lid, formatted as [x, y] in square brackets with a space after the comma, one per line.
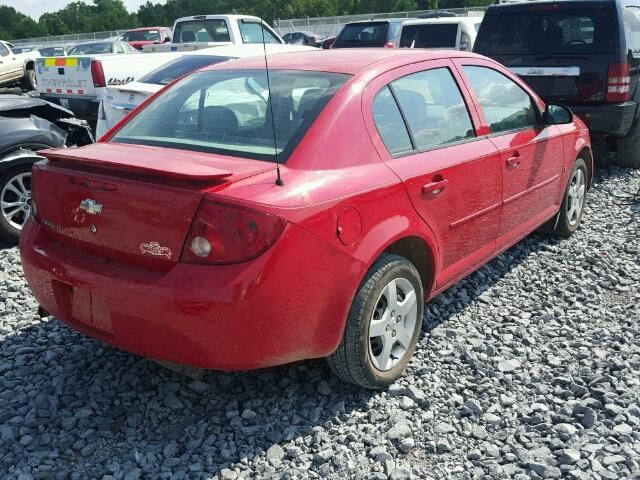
[130, 204]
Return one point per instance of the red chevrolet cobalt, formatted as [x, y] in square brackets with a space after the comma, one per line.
[239, 220]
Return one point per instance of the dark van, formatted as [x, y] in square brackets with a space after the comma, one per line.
[583, 53]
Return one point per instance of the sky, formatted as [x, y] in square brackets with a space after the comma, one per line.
[35, 8]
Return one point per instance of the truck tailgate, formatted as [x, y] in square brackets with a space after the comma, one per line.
[65, 76]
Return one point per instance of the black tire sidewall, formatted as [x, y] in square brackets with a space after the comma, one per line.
[400, 268]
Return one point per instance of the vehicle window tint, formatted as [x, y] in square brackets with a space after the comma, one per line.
[4, 51]
[548, 32]
[434, 108]
[253, 32]
[390, 124]
[212, 30]
[363, 35]
[505, 104]
[435, 35]
[233, 112]
[632, 30]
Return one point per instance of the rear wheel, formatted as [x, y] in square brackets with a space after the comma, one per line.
[29, 81]
[383, 325]
[15, 201]
[627, 150]
[573, 201]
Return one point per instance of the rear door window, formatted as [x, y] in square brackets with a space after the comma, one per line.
[390, 124]
[505, 104]
[253, 32]
[4, 51]
[553, 32]
[369, 34]
[429, 36]
[434, 108]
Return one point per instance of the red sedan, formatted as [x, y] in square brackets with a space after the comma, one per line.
[399, 172]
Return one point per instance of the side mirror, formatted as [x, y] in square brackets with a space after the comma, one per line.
[557, 114]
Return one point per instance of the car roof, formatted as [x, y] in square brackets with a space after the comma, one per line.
[96, 42]
[448, 20]
[350, 61]
[541, 4]
[142, 29]
[379, 20]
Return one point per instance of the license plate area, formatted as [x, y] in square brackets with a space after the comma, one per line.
[83, 307]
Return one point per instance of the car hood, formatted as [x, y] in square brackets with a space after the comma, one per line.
[23, 106]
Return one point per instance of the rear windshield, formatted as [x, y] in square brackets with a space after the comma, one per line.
[142, 36]
[434, 35]
[370, 34]
[178, 67]
[92, 49]
[202, 31]
[547, 32]
[232, 112]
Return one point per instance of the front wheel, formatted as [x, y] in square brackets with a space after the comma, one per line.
[383, 325]
[15, 202]
[573, 201]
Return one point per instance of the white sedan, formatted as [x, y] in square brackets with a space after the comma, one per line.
[120, 100]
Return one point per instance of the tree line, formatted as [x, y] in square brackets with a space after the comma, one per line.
[103, 15]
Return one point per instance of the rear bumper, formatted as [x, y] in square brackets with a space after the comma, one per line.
[289, 304]
[611, 119]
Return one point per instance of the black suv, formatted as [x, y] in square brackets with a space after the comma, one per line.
[369, 34]
[583, 53]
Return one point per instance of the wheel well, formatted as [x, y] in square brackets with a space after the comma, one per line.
[417, 252]
[30, 65]
[587, 155]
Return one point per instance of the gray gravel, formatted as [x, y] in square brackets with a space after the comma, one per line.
[530, 368]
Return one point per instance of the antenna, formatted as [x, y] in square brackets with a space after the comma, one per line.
[279, 181]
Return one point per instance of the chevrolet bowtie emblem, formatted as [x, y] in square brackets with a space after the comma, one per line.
[91, 206]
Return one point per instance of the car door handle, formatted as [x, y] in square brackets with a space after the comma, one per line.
[514, 160]
[436, 187]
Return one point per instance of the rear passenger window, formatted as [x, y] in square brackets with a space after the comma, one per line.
[433, 107]
[390, 124]
[506, 106]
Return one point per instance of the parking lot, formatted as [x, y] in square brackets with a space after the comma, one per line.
[529, 368]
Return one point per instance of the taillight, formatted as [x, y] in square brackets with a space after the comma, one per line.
[389, 45]
[618, 82]
[97, 73]
[223, 234]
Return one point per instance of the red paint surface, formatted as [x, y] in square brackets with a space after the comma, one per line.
[344, 200]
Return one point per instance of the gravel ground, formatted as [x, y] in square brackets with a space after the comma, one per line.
[530, 368]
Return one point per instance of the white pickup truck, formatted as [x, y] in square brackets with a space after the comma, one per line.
[16, 67]
[206, 31]
[79, 83]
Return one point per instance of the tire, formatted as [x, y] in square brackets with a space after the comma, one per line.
[355, 360]
[13, 217]
[29, 81]
[573, 202]
[627, 150]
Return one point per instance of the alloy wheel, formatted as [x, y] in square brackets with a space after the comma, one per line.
[15, 200]
[576, 197]
[393, 324]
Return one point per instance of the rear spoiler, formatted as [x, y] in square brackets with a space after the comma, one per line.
[136, 159]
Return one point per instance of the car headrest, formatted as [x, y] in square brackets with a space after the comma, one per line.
[188, 36]
[219, 121]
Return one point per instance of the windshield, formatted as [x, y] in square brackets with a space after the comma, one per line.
[231, 112]
[52, 52]
[142, 36]
[551, 32]
[178, 67]
[434, 35]
[202, 31]
[373, 34]
[92, 49]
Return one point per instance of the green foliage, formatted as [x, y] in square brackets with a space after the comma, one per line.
[102, 15]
